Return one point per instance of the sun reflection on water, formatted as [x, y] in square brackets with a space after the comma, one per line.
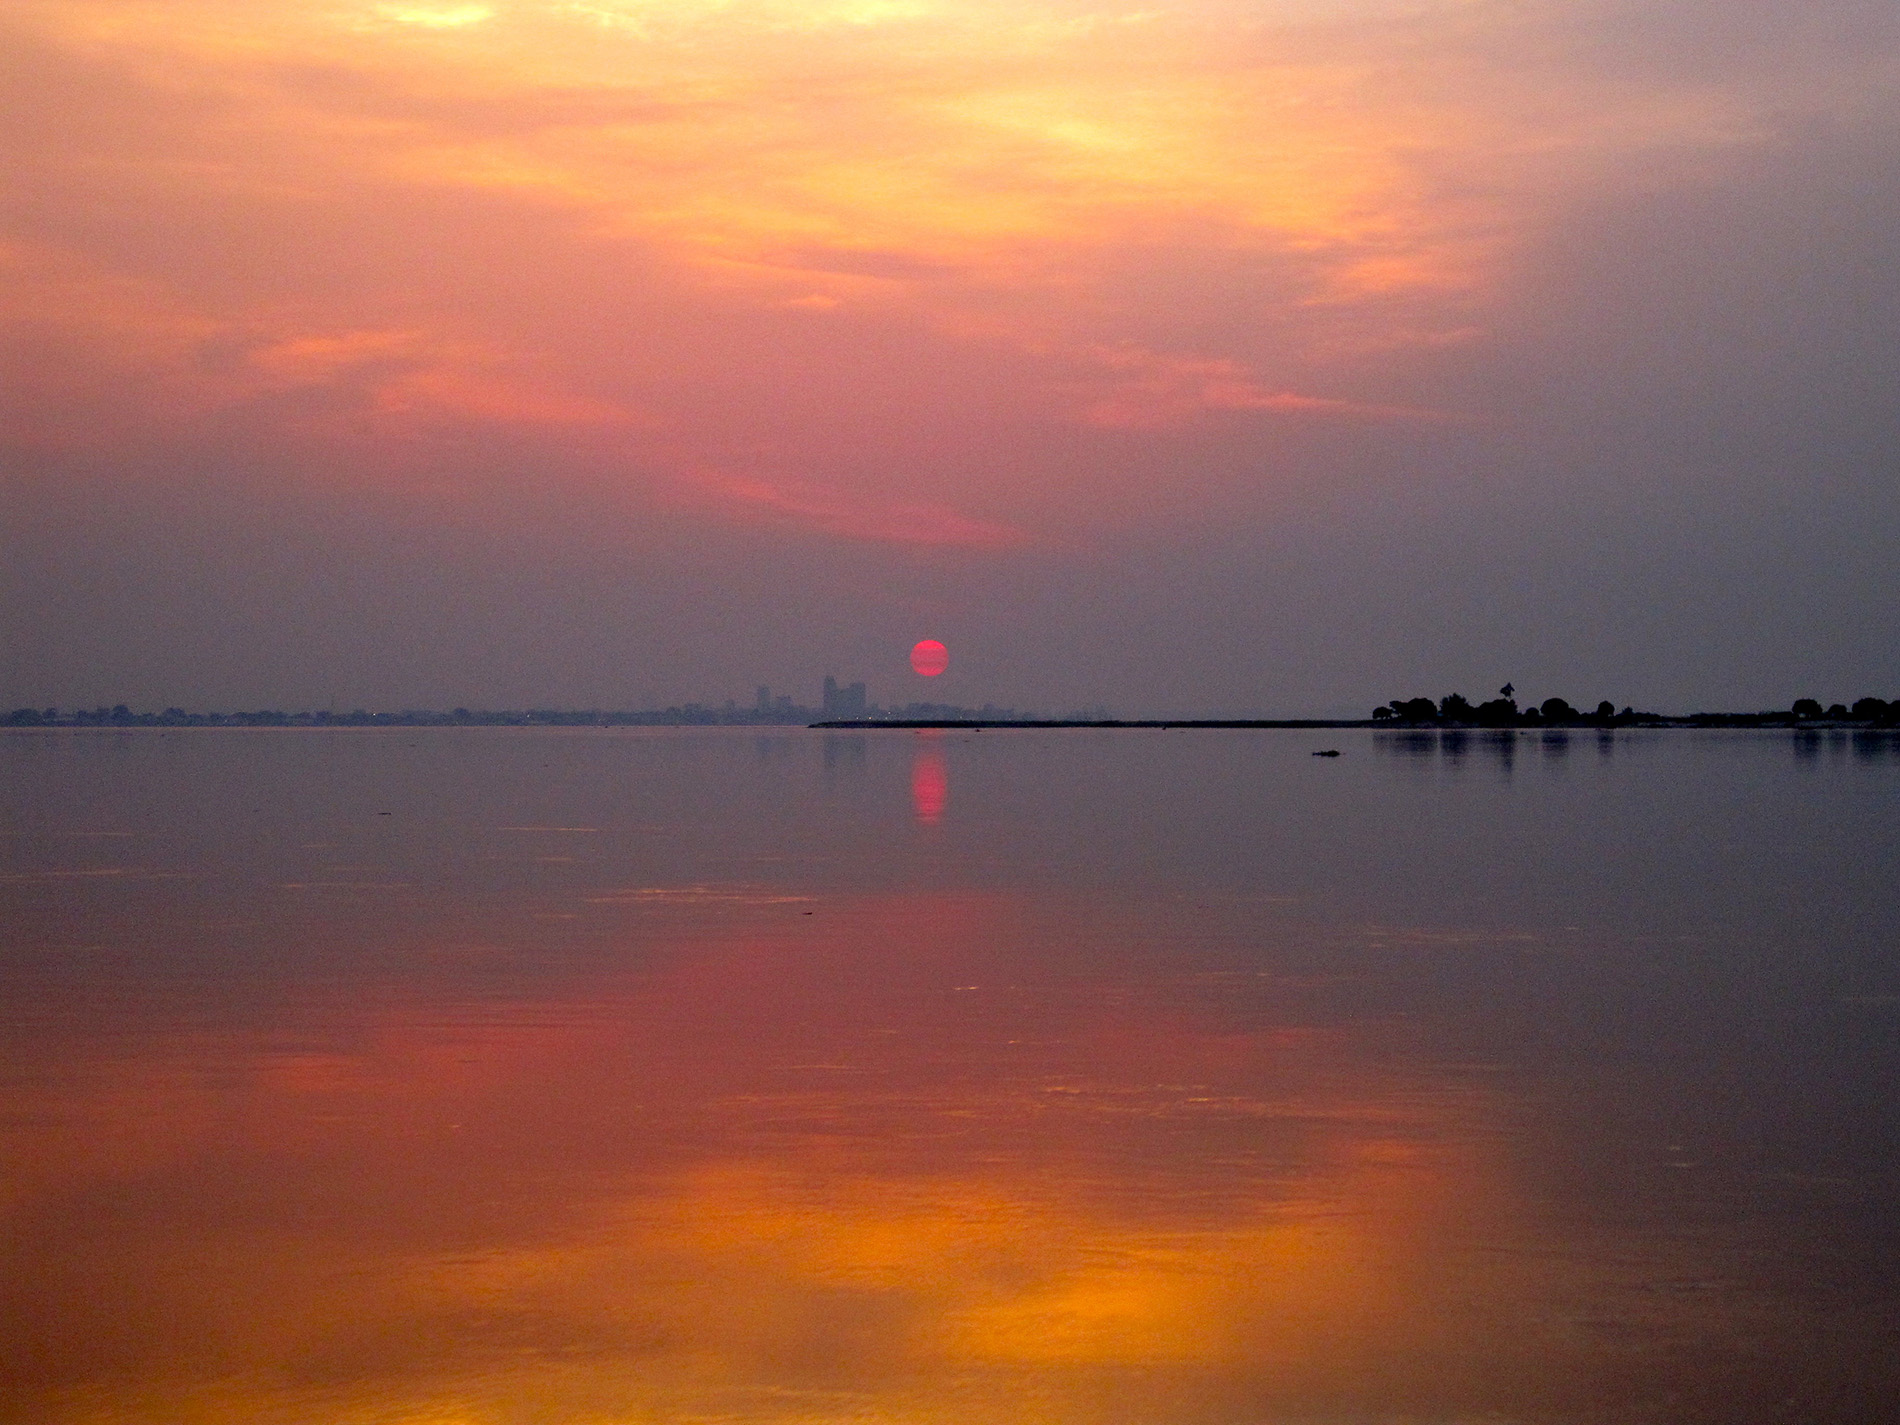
[929, 779]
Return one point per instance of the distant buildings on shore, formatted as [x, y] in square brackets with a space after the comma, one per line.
[851, 702]
[845, 702]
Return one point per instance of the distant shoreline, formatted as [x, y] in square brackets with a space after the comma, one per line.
[175, 720]
[1765, 721]
[1454, 710]
[887, 723]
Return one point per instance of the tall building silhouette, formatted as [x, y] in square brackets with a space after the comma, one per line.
[844, 702]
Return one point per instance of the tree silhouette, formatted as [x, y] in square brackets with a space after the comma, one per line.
[1414, 709]
[1499, 712]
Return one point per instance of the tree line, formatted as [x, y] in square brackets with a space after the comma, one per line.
[1456, 710]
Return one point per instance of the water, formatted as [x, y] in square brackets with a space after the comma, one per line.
[485, 1077]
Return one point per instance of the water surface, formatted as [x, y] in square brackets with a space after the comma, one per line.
[486, 1077]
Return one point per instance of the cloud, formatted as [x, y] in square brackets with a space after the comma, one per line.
[1151, 390]
[436, 17]
[407, 372]
[912, 523]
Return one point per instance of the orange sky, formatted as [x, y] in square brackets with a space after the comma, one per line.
[938, 277]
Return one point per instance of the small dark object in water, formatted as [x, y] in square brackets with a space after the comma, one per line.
[1329, 752]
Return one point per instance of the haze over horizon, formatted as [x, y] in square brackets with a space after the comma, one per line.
[1278, 357]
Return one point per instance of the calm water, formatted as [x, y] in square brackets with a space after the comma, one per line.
[494, 1077]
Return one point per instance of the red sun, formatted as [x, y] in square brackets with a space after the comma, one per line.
[929, 658]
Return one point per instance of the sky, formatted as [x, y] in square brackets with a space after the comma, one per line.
[1270, 356]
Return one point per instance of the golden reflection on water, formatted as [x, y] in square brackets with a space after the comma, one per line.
[844, 1165]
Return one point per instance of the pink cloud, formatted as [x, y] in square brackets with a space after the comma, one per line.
[406, 372]
[1148, 389]
[918, 523]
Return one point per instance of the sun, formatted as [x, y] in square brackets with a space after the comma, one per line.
[929, 658]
